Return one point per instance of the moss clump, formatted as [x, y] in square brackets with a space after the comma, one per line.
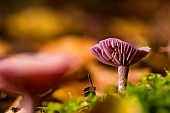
[151, 95]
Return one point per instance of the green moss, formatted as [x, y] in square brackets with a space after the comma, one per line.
[152, 95]
[72, 106]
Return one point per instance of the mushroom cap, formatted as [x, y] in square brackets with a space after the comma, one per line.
[115, 52]
[33, 74]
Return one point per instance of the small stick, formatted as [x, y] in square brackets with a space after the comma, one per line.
[90, 80]
[92, 84]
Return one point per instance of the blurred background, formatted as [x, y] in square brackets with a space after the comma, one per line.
[73, 26]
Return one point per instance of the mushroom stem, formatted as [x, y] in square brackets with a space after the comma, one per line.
[28, 103]
[122, 77]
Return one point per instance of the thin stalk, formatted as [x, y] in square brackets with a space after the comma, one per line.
[122, 77]
[29, 103]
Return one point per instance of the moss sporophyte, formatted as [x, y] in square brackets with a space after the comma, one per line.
[89, 90]
[116, 52]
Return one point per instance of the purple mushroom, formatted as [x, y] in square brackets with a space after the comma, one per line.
[32, 75]
[115, 52]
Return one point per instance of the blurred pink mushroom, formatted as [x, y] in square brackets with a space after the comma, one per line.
[115, 52]
[31, 75]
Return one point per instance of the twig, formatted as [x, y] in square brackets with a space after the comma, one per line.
[90, 80]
